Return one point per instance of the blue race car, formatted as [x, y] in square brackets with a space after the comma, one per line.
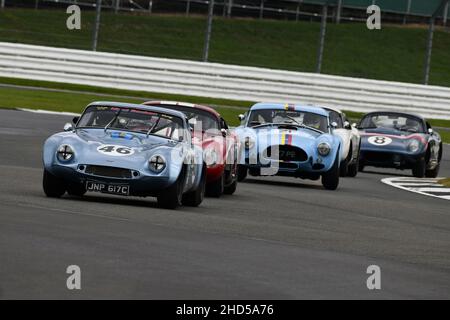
[400, 140]
[129, 150]
[289, 140]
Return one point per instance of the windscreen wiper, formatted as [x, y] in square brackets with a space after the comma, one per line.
[113, 119]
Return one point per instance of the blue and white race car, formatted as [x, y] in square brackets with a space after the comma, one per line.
[129, 150]
[289, 140]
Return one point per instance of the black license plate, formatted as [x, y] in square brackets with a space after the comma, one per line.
[117, 189]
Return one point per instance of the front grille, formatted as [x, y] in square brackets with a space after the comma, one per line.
[110, 172]
[288, 153]
[379, 157]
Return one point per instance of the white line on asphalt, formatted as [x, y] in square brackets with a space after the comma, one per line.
[61, 113]
[402, 183]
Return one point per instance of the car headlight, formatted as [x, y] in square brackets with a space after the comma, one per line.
[324, 149]
[249, 143]
[210, 157]
[65, 153]
[157, 163]
[414, 146]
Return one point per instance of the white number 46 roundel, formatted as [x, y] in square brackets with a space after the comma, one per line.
[117, 151]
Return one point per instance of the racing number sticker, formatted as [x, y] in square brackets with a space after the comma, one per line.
[117, 151]
[380, 140]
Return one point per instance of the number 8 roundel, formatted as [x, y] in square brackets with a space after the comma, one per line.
[380, 140]
[116, 151]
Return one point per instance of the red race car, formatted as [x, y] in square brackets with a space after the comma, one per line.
[219, 145]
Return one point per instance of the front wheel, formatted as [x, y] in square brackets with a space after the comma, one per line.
[195, 198]
[433, 173]
[171, 197]
[353, 168]
[330, 179]
[53, 186]
[231, 188]
[215, 188]
[242, 172]
[419, 169]
[343, 170]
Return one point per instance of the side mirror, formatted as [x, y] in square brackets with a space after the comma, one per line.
[75, 120]
[224, 132]
[347, 125]
[355, 125]
[241, 117]
[334, 125]
[68, 127]
[430, 131]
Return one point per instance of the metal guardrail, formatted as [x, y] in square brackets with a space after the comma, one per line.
[218, 80]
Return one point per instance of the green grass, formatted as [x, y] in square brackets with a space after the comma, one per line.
[445, 182]
[76, 101]
[80, 95]
[393, 53]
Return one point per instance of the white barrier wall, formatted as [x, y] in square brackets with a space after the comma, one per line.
[218, 80]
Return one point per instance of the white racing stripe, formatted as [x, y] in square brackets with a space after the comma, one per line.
[426, 187]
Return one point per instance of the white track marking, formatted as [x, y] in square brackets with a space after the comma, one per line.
[437, 189]
[414, 185]
[49, 112]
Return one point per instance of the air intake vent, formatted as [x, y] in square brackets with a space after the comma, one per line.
[288, 153]
[110, 172]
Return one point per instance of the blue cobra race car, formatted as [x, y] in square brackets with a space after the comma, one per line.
[129, 150]
[401, 141]
[289, 140]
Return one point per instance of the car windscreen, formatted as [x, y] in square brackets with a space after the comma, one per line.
[196, 117]
[134, 120]
[309, 119]
[400, 122]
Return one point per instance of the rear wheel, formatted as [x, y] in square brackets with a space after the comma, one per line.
[433, 173]
[215, 189]
[419, 169]
[171, 197]
[53, 186]
[330, 179]
[242, 173]
[195, 198]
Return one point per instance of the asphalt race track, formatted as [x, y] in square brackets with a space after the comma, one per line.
[276, 238]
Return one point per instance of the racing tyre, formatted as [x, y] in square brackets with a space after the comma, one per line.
[195, 198]
[330, 179]
[53, 187]
[215, 189]
[76, 190]
[171, 197]
[419, 169]
[353, 168]
[231, 188]
[360, 166]
[343, 170]
[433, 173]
[242, 173]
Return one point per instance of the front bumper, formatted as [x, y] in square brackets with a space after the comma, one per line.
[385, 159]
[141, 185]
